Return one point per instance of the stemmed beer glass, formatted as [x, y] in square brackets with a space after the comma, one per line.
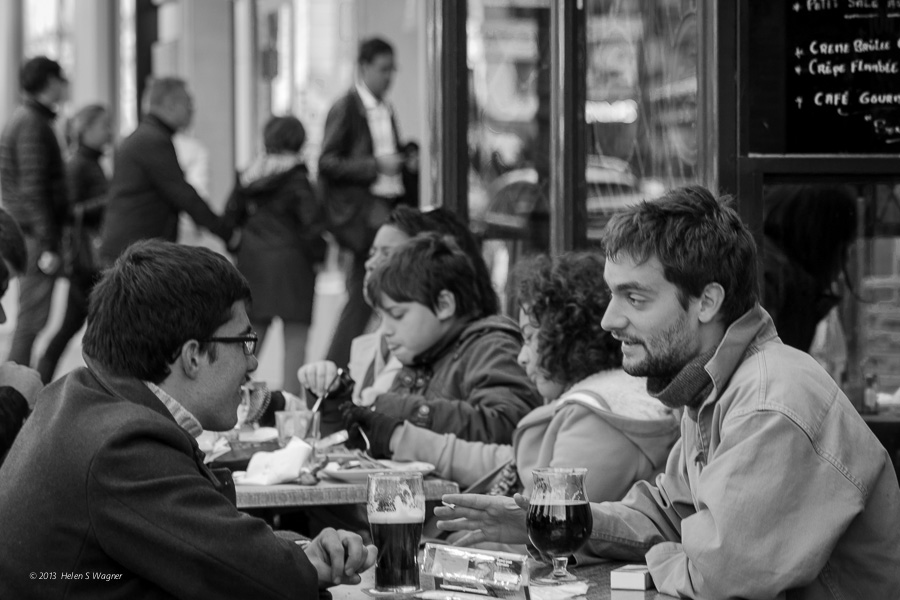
[559, 518]
[395, 505]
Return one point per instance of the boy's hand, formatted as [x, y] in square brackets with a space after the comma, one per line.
[317, 376]
[339, 556]
[377, 426]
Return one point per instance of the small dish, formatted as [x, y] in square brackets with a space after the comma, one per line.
[362, 475]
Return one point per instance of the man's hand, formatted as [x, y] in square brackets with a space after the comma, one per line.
[488, 518]
[317, 376]
[390, 164]
[339, 556]
[24, 380]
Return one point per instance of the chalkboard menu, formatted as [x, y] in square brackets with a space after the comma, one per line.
[824, 76]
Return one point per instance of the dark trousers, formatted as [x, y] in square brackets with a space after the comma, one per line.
[35, 295]
[354, 317]
[80, 285]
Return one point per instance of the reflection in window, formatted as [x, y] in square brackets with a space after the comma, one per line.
[641, 105]
[508, 55]
[831, 258]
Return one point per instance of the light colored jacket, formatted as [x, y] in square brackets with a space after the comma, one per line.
[607, 423]
[777, 488]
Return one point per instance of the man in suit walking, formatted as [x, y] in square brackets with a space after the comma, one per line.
[361, 171]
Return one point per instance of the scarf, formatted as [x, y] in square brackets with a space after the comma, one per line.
[689, 387]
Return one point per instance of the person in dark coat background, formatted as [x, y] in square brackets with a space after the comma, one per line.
[32, 177]
[19, 384]
[148, 189]
[87, 185]
[281, 240]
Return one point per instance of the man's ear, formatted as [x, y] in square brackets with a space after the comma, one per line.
[446, 305]
[711, 299]
[190, 359]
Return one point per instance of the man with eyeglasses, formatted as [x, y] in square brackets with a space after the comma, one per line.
[105, 493]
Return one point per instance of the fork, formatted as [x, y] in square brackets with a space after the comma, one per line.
[365, 456]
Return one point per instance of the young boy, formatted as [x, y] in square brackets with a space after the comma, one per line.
[460, 374]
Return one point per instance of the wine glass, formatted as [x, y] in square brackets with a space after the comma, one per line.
[559, 518]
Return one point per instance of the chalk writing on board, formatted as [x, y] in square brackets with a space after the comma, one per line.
[843, 63]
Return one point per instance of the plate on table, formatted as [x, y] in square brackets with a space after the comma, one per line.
[358, 475]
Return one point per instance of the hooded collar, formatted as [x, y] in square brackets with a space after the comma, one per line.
[465, 330]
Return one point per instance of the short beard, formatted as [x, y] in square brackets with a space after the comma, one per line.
[677, 351]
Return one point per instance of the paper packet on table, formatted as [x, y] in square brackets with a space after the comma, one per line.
[459, 572]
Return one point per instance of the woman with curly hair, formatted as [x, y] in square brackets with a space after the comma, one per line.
[595, 416]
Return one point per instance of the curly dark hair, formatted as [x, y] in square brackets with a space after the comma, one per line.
[565, 298]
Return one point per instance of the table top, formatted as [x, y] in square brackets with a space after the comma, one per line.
[597, 575]
[326, 492]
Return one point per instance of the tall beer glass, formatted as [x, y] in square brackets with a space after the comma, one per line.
[395, 505]
[559, 519]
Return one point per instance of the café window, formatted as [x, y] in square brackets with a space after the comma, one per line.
[831, 261]
[641, 104]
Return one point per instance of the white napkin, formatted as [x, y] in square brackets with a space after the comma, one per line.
[270, 468]
[213, 445]
[558, 592]
[260, 434]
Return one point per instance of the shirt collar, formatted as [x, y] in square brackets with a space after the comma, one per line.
[368, 98]
[182, 416]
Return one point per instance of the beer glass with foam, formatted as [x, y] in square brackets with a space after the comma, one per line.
[395, 505]
[559, 518]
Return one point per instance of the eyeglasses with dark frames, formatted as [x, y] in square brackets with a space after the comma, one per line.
[249, 341]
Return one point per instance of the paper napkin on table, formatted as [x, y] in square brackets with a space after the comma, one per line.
[260, 434]
[558, 592]
[213, 445]
[270, 468]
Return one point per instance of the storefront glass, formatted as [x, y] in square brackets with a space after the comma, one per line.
[831, 260]
[509, 129]
[641, 105]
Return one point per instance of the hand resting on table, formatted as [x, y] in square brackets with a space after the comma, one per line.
[339, 557]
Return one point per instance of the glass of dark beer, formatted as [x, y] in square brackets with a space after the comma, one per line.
[395, 505]
[559, 518]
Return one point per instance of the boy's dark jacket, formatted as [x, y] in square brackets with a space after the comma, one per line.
[470, 384]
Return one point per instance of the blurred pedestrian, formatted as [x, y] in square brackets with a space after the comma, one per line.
[361, 171]
[32, 177]
[89, 133]
[148, 189]
[281, 239]
[19, 385]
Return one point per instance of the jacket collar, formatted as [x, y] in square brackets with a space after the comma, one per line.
[126, 388]
[754, 328]
[466, 330]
